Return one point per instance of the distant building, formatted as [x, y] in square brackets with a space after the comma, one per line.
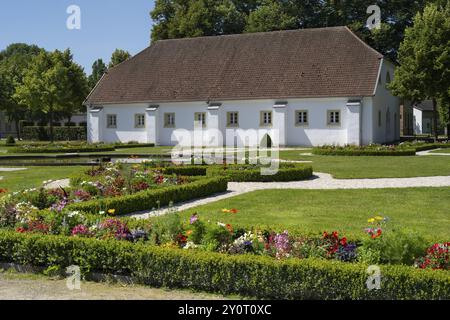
[423, 119]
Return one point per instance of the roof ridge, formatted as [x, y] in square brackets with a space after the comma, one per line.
[252, 33]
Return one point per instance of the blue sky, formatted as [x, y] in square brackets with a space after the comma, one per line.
[105, 26]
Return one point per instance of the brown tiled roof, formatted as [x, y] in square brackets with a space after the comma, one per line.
[326, 62]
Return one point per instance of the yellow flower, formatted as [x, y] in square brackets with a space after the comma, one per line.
[112, 211]
[226, 210]
[372, 220]
[379, 218]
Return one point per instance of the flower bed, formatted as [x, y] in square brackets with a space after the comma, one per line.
[255, 276]
[74, 147]
[252, 173]
[152, 250]
[372, 150]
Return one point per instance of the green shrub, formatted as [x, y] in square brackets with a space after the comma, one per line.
[372, 150]
[151, 199]
[254, 276]
[61, 148]
[397, 246]
[186, 170]
[40, 133]
[133, 144]
[250, 173]
[10, 141]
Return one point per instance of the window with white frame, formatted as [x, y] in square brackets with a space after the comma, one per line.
[111, 121]
[232, 119]
[334, 117]
[301, 117]
[200, 118]
[169, 120]
[266, 118]
[139, 120]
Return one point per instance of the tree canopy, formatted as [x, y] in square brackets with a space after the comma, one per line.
[193, 18]
[98, 69]
[53, 84]
[424, 56]
[118, 56]
[14, 61]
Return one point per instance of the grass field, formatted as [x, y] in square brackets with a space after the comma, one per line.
[426, 210]
[34, 176]
[375, 167]
[441, 151]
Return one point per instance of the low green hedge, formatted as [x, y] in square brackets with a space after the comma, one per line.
[38, 133]
[61, 149]
[186, 170]
[133, 145]
[254, 276]
[249, 173]
[150, 199]
[432, 146]
[362, 152]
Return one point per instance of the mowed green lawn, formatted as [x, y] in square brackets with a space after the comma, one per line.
[34, 176]
[374, 167]
[441, 151]
[426, 210]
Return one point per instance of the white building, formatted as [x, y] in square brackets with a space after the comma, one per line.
[304, 88]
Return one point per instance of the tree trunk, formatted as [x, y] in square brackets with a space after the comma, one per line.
[18, 129]
[52, 139]
[448, 123]
[435, 120]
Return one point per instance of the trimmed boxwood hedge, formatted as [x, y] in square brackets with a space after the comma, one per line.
[186, 170]
[62, 149]
[368, 152]
[248, 275]
[150, 199]
[249, 173]
[38, 133]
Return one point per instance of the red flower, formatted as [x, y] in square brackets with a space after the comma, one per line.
[343, 241]
[229, 228]
[234, 211]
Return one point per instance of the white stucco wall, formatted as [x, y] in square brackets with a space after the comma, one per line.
[385, 102]
[125, 130]
[359, 123]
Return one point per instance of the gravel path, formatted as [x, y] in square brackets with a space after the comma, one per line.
[320, 181]
[11, 169]
[430, 153]
[33, 287]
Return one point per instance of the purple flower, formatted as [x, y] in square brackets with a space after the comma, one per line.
[193, 219]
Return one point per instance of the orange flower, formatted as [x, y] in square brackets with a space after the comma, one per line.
[189, 232]
[229, 228]
[234, 211]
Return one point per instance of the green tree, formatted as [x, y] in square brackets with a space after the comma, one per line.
[118, 56]
[53, 84]
[14, 61]
[424, 57]
[194, 18]
[98, 69]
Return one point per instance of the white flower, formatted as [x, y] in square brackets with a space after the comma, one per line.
[102, 213]
[190, 245]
